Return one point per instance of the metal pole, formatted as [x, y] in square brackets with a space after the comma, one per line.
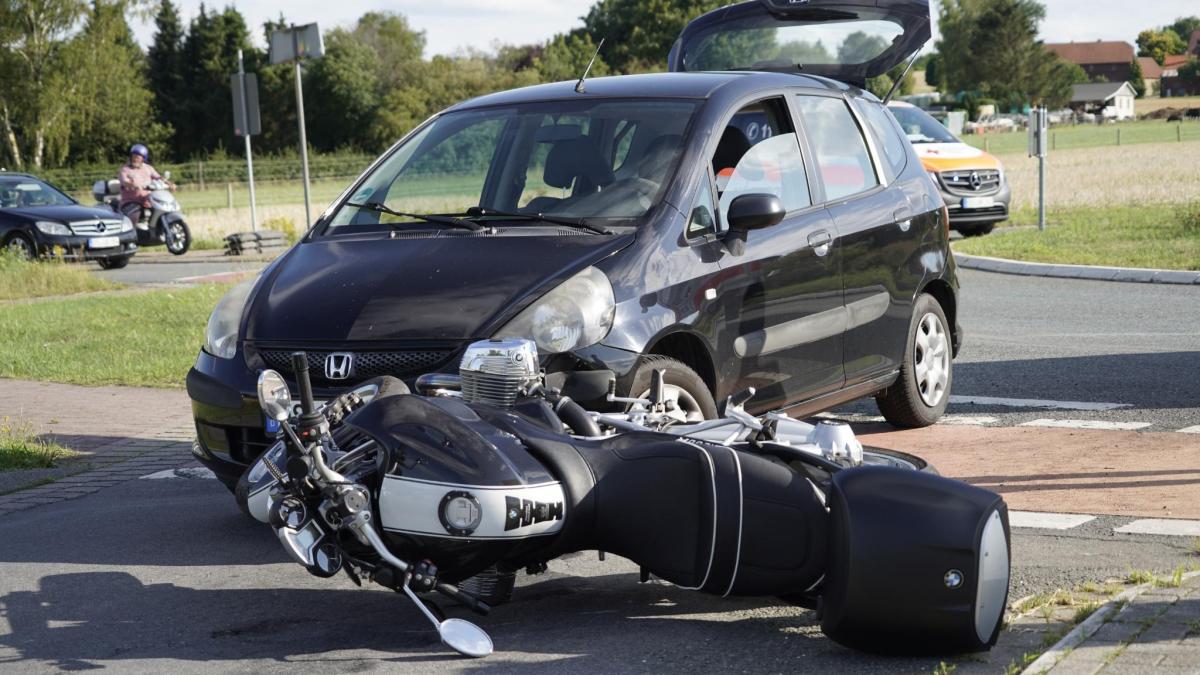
[246, 136]
[303, 135]
[1041, 118]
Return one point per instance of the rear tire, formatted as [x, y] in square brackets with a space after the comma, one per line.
[694, 398]
[920, 393]
[114, 263]
[976, 230]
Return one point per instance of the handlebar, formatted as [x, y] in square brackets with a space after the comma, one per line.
[300, 367]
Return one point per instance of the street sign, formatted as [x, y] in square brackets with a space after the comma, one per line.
[245, 104]
[296, 44]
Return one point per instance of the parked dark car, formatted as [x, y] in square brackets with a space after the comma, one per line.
[39, 220]
[736, 228]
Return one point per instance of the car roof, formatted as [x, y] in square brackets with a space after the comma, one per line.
[691, 85]
[18, 174]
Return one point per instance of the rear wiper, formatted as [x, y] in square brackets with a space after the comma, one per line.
[429, 218]
[480, 212]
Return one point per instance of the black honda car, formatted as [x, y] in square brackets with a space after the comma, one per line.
[753, 218]
[39, 220]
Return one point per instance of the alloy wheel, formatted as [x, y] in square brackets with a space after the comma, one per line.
[175, 237]
[931, 359]
[20, 246]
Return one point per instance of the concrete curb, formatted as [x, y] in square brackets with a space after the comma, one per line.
[1051, 657]
[1090, 272]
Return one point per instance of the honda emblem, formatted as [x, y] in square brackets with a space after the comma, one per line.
[339, 366]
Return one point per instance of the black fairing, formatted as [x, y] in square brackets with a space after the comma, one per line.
[894, 535]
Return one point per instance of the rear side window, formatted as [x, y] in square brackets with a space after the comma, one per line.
[886, 135]
[843, 163]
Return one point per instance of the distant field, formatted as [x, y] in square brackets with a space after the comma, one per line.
[1091, 136]
[1150, 104]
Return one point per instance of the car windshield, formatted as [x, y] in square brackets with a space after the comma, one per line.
[21, 191]
[765, 42]
[604, 160]
[920, 127]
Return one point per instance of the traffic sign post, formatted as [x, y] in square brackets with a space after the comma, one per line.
[1038, 142]
[246, 123]
[296, 44]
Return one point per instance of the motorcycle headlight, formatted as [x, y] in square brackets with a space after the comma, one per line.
[577, 313]
[53, 228]
[126, 224]
[221, 336]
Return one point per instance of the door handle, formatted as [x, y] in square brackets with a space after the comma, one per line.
[820, 242]
[903, 219]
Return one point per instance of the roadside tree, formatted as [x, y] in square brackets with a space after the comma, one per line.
[1159, 44]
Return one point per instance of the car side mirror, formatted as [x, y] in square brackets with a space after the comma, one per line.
[750, 212]
[754, 212]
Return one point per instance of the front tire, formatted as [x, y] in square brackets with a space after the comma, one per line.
[694, 400]
[178, 237]
[920, 393]
[20, 245]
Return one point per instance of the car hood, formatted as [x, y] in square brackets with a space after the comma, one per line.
[65, 214]
[437, 286]
[951, 156]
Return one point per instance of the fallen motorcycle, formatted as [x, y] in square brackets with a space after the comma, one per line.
[479, 475]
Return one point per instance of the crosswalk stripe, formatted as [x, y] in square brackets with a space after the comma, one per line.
[1036, 403]
[1190, 430]
[1087, 424]
[1047, 521]
[1161, 526]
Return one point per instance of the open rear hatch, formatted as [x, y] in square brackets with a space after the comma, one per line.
[846, 40]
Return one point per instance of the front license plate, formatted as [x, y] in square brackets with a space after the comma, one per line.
[978, 202]
[104, 242]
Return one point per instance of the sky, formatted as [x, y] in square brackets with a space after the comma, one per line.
[453, 26]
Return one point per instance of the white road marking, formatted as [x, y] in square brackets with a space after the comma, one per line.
[1047, 521]
[1036, 403]
[189, 472]
[968, 420]
[1174, 528]
[1190, 430]
[1088, 424]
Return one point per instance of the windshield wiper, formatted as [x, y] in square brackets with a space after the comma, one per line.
[429, 218]
[480, 212]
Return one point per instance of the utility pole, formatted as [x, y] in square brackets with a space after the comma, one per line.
[303, 135]
[1038, 131]
[245, 117]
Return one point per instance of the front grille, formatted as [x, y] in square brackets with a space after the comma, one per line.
[972, 181]
[92, 227]
[365, 365]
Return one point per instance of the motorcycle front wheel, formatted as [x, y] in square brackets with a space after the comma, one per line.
[177, 237]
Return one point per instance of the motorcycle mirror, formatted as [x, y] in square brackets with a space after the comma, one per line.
[274, 396]
[465, 638]
[167, 175]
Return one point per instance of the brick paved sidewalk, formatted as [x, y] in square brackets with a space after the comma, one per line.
[124, 433]
[1158, 631]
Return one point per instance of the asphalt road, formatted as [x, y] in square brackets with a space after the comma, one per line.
[161, 269]
[168, 576]
[1137, 345]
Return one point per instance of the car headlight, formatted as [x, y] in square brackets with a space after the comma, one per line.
[126, 224]
[578, 313]
[221, 336]
[53, 228]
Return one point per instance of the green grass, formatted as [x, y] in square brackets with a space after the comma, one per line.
[20, 448]
[1090, 136]
[147, 339]
[1155, 236]
[21, 278]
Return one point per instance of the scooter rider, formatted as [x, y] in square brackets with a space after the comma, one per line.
[135, 178]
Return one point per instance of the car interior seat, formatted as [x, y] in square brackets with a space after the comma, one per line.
[573, 164]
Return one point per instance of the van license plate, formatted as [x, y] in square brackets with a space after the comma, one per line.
[978, 202]
[104, 242]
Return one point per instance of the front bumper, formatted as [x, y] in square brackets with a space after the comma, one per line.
[230, 428]
[960, 215]
[77, 247]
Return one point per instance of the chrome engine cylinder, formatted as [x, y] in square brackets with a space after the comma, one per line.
[495, 372]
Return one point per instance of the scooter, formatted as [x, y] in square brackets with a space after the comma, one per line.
[481, 474]
[161, 223]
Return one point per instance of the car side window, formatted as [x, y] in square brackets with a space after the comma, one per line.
[838, 146]
[701, 219]
[759, 153]
[886, 134]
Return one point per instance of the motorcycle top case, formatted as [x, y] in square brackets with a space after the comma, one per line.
[919, 564]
